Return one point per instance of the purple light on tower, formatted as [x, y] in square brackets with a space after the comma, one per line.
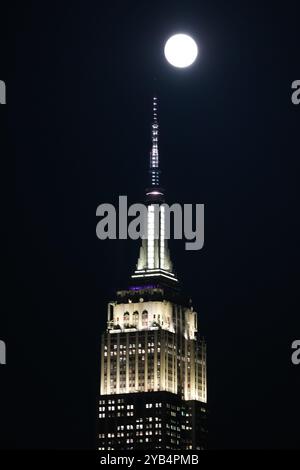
[149, 286]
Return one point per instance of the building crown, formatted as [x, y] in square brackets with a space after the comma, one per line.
[154, 259]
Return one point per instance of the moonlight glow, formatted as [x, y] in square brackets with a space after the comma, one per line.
[181, 50]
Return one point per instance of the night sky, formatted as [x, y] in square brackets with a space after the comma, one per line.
[79, 79]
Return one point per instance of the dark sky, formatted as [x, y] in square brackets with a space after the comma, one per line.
[79, 87]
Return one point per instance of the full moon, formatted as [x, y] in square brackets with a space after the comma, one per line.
[181, 50]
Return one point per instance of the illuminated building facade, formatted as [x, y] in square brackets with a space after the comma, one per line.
[153, 361]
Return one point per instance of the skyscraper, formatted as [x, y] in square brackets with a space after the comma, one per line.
[153, 360]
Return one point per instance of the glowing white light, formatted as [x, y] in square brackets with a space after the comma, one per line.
[181, 50]
[150, 254]
[154, 193]
[162, 237]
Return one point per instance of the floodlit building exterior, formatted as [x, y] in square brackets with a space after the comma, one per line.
[153, 359]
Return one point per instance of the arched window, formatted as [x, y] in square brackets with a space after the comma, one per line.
[126, 319]
[135, 318]
[145, 318]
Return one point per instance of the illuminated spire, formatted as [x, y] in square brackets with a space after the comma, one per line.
[154, 156]
[154, 259]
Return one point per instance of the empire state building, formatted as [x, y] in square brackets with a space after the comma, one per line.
[153, 359]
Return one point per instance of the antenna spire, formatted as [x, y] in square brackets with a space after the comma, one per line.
[154, 156]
